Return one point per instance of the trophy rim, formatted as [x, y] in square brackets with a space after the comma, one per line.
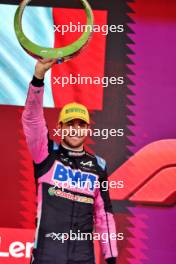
[63, 53]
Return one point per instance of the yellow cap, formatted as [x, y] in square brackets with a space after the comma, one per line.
[74, 111]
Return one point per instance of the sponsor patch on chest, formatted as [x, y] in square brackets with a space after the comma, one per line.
[68, 177]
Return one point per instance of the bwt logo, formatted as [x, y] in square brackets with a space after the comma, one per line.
[75, 178]
[17, 249]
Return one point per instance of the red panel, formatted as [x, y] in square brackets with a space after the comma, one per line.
[89, 63]
[17, 190]
[158, 10]
[15, 245]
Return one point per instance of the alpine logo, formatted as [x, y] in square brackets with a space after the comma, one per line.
[55, 236]
[88, 163]
[73, 177]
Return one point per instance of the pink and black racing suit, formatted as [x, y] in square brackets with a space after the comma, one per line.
[71, 201]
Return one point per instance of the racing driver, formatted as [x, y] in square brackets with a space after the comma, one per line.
[80, 207]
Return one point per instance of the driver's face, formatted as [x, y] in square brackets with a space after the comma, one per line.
[76, 132]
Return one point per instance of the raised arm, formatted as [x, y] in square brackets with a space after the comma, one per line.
[33, 120]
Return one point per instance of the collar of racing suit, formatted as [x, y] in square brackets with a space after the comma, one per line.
[72, 153]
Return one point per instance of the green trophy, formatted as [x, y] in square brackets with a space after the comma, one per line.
[62, 54]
